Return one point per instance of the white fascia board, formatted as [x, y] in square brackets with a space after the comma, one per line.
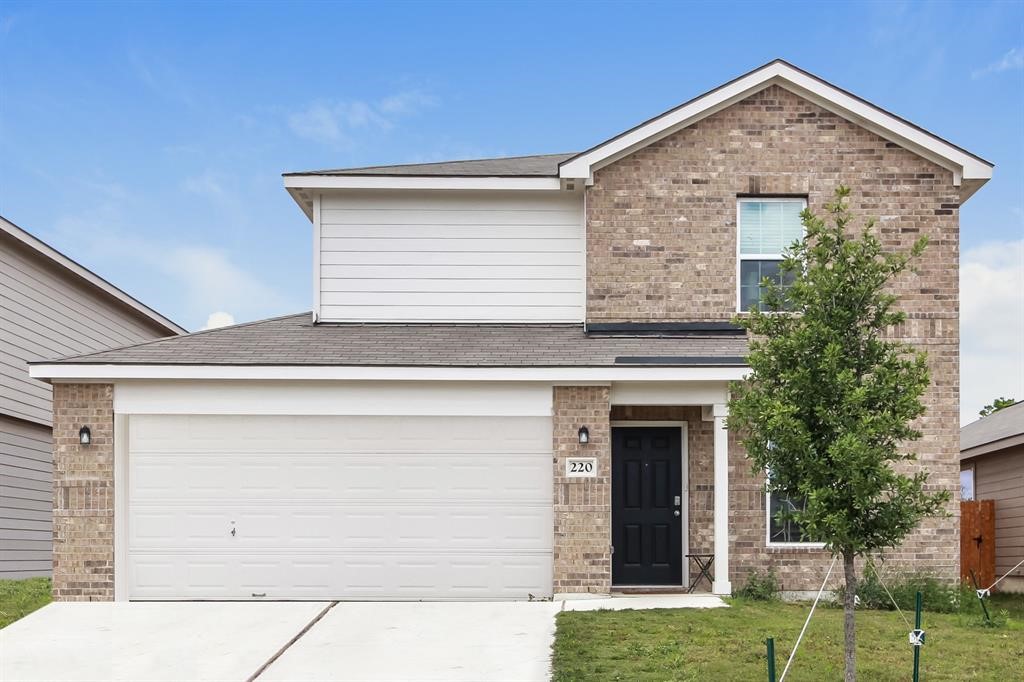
[94, 373]
[964, 165]
[418, 182]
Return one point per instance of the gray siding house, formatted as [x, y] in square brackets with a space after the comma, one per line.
[992, 468]
[49, 306]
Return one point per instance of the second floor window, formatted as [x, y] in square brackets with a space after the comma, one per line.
[766, 228]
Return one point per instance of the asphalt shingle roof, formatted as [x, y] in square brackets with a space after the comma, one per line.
[542, 165]
[1005, 423]
[295, 340]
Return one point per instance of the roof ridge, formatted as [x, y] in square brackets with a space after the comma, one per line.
[198, 332]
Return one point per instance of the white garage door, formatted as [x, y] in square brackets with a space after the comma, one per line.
[340, 507]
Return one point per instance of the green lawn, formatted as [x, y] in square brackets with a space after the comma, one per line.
[728, 644]
[18, 598]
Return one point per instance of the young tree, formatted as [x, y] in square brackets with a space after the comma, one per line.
[828, 407]
[996, 405]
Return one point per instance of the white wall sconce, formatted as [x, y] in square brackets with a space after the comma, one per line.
[584, 434]
[84, 435]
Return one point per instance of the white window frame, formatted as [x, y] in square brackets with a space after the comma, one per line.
[768, 529]
[740, 257]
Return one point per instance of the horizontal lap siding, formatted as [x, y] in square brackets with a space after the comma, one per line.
[451, 256]
[45, 314]
[26, 485]
[1000, 477]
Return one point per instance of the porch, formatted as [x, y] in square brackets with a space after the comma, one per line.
[659, 489]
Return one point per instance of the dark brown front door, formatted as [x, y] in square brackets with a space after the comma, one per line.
[646, 506]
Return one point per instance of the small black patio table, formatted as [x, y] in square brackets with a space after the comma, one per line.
[704, 562]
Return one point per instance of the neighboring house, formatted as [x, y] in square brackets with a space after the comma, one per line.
[514, 380]
[992, 468]
[49, 305]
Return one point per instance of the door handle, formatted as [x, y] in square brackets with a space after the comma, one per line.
[676, 513]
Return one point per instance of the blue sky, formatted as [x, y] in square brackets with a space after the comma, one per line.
[147, 140]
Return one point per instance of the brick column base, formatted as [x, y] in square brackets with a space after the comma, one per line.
[583, 506]
[83, 493]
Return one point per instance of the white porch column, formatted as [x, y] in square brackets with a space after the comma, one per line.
[721, 584]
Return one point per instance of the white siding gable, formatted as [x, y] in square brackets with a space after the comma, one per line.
[451, 256]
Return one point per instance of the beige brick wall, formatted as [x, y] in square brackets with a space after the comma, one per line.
[661, 245]
[583, 506]
[83, 493]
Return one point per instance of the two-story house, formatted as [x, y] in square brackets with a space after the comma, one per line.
[514, 380]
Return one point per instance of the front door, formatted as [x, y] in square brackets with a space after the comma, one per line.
[647, 506]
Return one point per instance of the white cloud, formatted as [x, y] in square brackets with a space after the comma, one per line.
[184, 281]
[208, 279]
[991, 325]
[336, 122]
[207, 184]
[219, 319]
[162, 78]
[1012, 60]
[408, 102]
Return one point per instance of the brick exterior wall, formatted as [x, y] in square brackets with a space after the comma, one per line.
[583, 506]
[661, 245]
[83, 493]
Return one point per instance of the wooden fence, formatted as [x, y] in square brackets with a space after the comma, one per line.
[978, 541]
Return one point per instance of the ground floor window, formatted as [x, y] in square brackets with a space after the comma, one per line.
[785, 531]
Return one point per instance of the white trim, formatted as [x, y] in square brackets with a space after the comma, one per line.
[419, 182]
[561, 375]
[95, 280]
[684, 453]
[740, 257]
[687, 393]
[965, 166]
[120, 506]
[317, 247]
[721, 585]
[768, 530]
[348, 398]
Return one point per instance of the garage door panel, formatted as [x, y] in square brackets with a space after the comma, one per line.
[353, 576]
[273, 434]
[339, 507]
[350, 526]
[210, 476]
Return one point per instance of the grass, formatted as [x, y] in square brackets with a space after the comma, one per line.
[728, 644]
[18, 598]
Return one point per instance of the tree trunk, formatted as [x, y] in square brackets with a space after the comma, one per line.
[849, 604]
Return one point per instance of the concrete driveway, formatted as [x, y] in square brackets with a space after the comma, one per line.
[507, 641]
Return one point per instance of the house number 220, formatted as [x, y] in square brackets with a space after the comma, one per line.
[581, 467]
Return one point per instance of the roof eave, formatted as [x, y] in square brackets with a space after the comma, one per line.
[302, 188]
[83, 274]
[991, 446]
[602, 374]
[970, 171]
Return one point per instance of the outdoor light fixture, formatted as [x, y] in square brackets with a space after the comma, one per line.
[584, 435]
[84, 435]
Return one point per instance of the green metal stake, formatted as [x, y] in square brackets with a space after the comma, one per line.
[981, 600]
[917, 649]
[770, 642]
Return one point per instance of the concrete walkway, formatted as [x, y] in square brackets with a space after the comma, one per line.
[355, 641]
[125, 641]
